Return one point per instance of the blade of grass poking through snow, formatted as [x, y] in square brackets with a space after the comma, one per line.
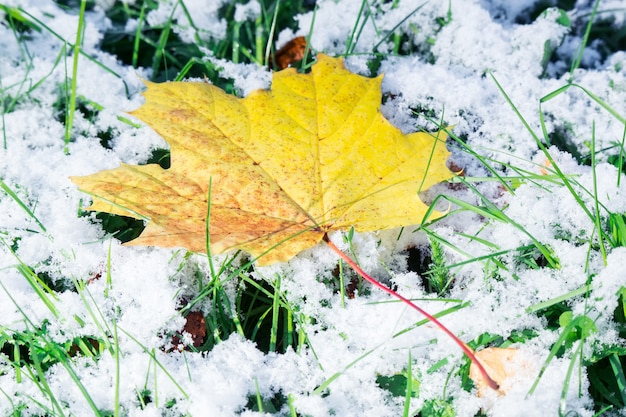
[42, 382]
[71, 108]
[409, 387]
[322, 387]
[351, 42]
[259, 307]
[524, 175]
[493, 384]
[20, 203]
[568, 377]
[595, 191]
[585, 289]
[459, 306]
[441, 240]
[393, 29]
[617, 225]
[116, 409]
[292, 408]
[182, 74]
[347, 238]
[583, 45]
[472, 238]
[65, 44]
[160, 46]
[15, 412]
[140, 21]
[581, 325]
[266, 303]
[236, 45]
[275, 313]
[63, 358]
[109, 279]
[556, 93]
[3, 111]
[618, 373]
[491, 211]
[190, 21]
[307, 48]
[474, 154]
[53, 352]
[342, 285]
[44, 292]
[259, 399]
[610, 110]
[543, 148]
[14, 14]
[152, 354]
[99, 321]
[620, 160]
[270, 36]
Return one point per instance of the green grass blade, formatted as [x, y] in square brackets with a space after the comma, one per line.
[351, 42]
[618, 373]
[45, 294]
[275, 313]
[583, 45]
[595, 193]
[409, 387]
[320, 390]
[157, 363]
[620, 160]
[20, 203]
[270, 36]
[565, 333]
[548, 303]
[393, 29]
[71, 108]
[42, 383]
[568, 378]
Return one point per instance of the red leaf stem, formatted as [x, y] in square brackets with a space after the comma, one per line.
[466, 349]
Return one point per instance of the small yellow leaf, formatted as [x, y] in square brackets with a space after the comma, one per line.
[286, 165]
[504, 365]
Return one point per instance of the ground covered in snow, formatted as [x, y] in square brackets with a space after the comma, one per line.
[533, 246]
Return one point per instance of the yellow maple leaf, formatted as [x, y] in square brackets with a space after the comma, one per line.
[284, 166]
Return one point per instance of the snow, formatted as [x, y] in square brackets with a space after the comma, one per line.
[250, 10]
[455, 79]
[206, 22]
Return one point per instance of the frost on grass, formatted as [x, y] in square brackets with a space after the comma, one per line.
[437, 71]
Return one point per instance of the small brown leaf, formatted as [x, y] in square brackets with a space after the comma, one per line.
[195, 327]
[291, 52]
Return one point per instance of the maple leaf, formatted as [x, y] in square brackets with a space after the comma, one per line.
[283, 166]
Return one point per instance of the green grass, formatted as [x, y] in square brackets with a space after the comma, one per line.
[240, 302]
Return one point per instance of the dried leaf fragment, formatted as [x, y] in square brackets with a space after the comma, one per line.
[504, 365]
[289, 53]
[284, 166]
